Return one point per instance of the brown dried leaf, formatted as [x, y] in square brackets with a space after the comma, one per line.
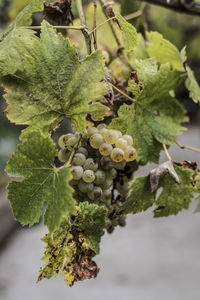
[59, 12]
[156, 173]
[190, 165]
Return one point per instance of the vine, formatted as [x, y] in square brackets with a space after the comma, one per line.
[118, 90]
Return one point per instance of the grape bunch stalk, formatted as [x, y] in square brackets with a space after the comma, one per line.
[102, 164]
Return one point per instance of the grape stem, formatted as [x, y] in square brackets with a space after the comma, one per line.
[74, 151]
[187, 147]
[55, 27]
[122, 93]
[167, 153]
[85, 31]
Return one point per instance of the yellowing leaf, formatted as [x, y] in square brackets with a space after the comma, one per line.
[53, 83]
[150, 126]
[129, 34]
[163, 51]
[192, 86]
[42, 183]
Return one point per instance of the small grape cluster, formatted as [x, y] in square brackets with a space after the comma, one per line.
[98, 158]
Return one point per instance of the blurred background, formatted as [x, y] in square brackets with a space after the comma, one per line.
[148, 259]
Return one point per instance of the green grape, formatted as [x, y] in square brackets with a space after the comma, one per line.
[130, 153]
[122, 221]
[79, 159]
[122, 188]
[91, 131]
[96, 193]
[77, 172]
[114, 222]
[119, 165]
[101, 126]
[121, 143]
[100, 177]
[96, 140]
[106, 163]
[90, 164]
[83, 151]
[110, 136]
[105, 149]
[71, 142]
[85, 187]
[102, 131]
[63, 154]
[107, 184]
[63, 139]
[128, 138]
[117, 155]
[88, 176]
[113, 173]
[107, 195]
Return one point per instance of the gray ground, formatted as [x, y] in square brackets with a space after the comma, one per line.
[149, 259]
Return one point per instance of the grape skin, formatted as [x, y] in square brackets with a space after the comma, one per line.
[110, 136]
[83, 151]
[105, 149]
[128, 138]
[85, 187]
[130, 153]
[96, 140]
[121, 143]
[96, 193]
[64, 138]
[91, 131]
[100, 177]
[63, 154]
[77, 172]
[88, 176]
[79, 159]
[90, 164]
[117, 155]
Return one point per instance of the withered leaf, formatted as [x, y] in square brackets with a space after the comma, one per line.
[156, 173]
[58, 12]
[190, 165]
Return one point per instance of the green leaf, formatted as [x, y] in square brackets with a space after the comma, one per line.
[139, 52]
[53, 83]
[140, 197]
[151, 82]
[175, 197]
[151, 126]
[42, 183]
[13, 49]
[76, 242]
[163, 51]
[24, 18]
[91, 221]
[197, 191]
[129, 33]
[192, 86]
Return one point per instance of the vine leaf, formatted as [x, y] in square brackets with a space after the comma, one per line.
[13, 49]
[150, 82]
[192, 86]
[129, 34]
[53, 83]
[74, 244]
[24, 18]
[163, 51]
[42, 183]
[140, 197]
[159, 171]
[150, 126]
[175, 197]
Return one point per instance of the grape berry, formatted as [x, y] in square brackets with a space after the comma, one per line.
[102, 163]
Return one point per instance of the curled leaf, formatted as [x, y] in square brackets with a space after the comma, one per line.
[156, 173]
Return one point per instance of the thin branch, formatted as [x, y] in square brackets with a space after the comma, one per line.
[133, 15]
[55, 27]
[122, 93]
[187, 147]
[95, 25]
[101, 24]
[167, 153]
[85, 28]
[105, 5]
[183, 6]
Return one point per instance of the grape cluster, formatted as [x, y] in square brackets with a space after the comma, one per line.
[101, 162]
